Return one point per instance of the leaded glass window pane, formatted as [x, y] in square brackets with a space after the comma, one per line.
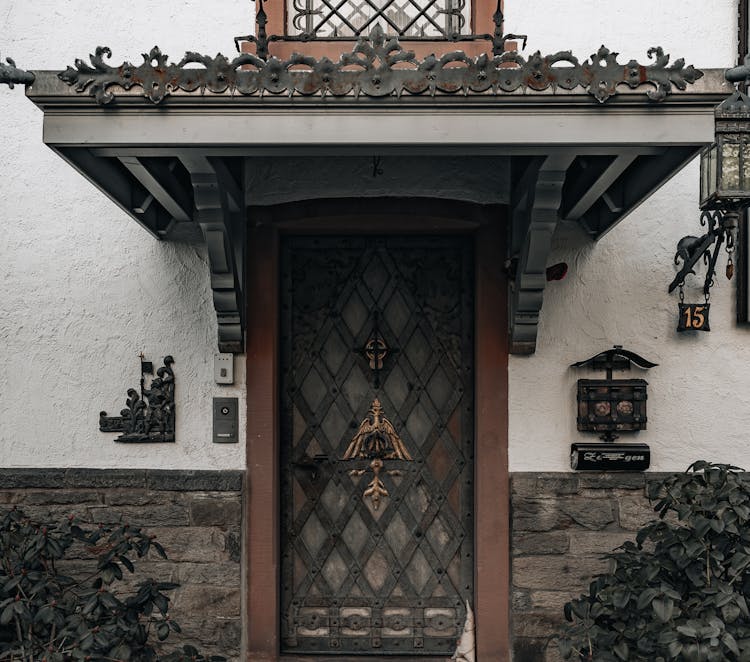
[327, 19]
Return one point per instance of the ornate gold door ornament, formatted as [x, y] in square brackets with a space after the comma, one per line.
[376, 440]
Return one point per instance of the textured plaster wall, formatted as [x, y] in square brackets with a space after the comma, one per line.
[705, 33]
[616, 290]
[84, 288]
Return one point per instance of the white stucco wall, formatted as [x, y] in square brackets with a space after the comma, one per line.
[616, 290]
[84, 289]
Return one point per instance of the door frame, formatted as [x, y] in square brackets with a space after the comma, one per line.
[261, 565]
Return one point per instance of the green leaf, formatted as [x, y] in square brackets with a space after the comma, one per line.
[127, 563]
[7, 614]
[646, 597]
[730, 612]
[687, 630]
[620, 597]
[729, 641]
[663, 608]
[621, 650]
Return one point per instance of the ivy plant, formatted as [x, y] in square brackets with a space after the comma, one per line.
[680, 591]
[48, 613]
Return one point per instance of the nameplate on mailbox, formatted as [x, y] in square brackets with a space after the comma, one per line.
[609, 457]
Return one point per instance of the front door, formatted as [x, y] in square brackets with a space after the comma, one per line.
[377, 444]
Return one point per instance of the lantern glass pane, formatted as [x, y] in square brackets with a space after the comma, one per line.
[705, 156]
[712, 169]
[730, 166]
[745, 165]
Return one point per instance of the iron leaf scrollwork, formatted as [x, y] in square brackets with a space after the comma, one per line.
[379, 66]
[148, 415]
[11, 75]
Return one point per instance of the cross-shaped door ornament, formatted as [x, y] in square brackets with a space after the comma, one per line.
[375, 350]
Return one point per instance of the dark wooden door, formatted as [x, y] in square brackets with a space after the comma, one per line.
[377, 438]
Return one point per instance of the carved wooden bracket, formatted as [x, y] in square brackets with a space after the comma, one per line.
[218, 202]
[535, 215]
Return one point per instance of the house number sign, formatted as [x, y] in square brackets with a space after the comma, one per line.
[693, 317]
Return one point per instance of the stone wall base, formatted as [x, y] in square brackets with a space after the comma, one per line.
[562, 524]
[195, 515]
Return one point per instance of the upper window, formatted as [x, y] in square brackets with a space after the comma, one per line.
[331, 19]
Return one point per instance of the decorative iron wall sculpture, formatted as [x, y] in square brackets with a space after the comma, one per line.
[378, 66]
[149, 414]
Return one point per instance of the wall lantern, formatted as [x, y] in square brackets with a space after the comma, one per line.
[724, 194]
[611, 406]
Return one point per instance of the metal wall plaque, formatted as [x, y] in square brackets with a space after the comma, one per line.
[609, 456]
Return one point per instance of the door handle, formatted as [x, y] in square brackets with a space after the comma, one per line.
[312, 465]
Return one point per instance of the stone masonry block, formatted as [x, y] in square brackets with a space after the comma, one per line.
[538, 515]
[557, 484]
[552, 542]
[592, 543]
[59, 497]
[540, 624]
[192, 544]
[608, 481]
[24, 478]
[589, 513]
[234, 544]
[565, 573]
[221, 573]
[521, 601]
[219, 481]
[634, 513]
[230, 635]
[82, 478]
[523, 484]
[553, 601]
[198, 601]
[216, 511]
[163, 515]
[143, 497]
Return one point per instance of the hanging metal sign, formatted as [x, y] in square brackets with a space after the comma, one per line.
[693, 317]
